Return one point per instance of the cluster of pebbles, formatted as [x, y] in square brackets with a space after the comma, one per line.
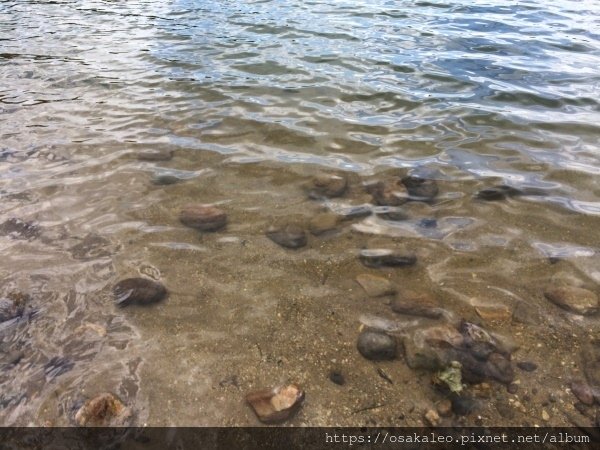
[455, 352]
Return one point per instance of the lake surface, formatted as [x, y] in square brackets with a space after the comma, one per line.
[253, 99]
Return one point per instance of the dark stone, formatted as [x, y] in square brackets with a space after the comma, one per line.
[527, 366]
[499, 368]
[389, 193]
[428, 223]
[462, 405]
[384, 257]
[327, 186]
[203, 217]
[165, 180]
[512, 388]
[155, 155]
[19, 229]
[420, 188]
[355, 212]
[336, 377]
[138, 291]
[288, 236]
[376, 345]
[498, 193]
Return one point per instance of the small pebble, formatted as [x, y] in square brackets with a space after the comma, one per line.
[384, 257]
[375, 286]
[512, 388]
[574, 299]
[420, 188]
[376, 345]
[583, 392]
[389, 193]
[545, 415]
[462, 405]
[203, 217]
[138, 291]
[527, 366]
[288, 236]
[276, 405]
[323, 223]
[327, 185]
[432, 418]
[444, 408]
[337, 377]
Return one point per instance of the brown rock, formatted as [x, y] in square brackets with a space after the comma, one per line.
[494, 313]
[583, 392]
[322, 223]
[276, 405]
[432, 418]
[388, 193]
[203, 217]
[288, 236]
[327, 185]
[139, 291]
[444, 408]
[416, 304]
[104, 410]
[375, 286]
[576, 300]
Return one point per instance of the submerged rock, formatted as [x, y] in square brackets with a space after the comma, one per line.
[276, 405]
[416, 304]
[337, 377]
[203, 217]
[420, 188]
[322, 223]
[379, 257]
[388, 193]
[12, 306]
[138, 291]
[165, 180]
[375, 286]
[92, 246]
[104, 410]
[376, 345]
[288, 236]
[574, 299]
[583, 392]
[155, 155]
[500, 192]
[57, 366]
[328, 186]
[355, 211]
[19, 229]
[527, 366]
[590, 357]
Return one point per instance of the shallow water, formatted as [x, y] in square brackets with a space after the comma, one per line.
[255, 98]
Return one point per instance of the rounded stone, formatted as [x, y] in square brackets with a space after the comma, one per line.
[376, 345]
[388, 193]
[276, 405]
[288, 236]
[104, 410]
[375, 286]
[385, 257]
[416, 304]
[576, 300]
[139, 291]
[203, 217]
[327, 185]
[420, 188]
